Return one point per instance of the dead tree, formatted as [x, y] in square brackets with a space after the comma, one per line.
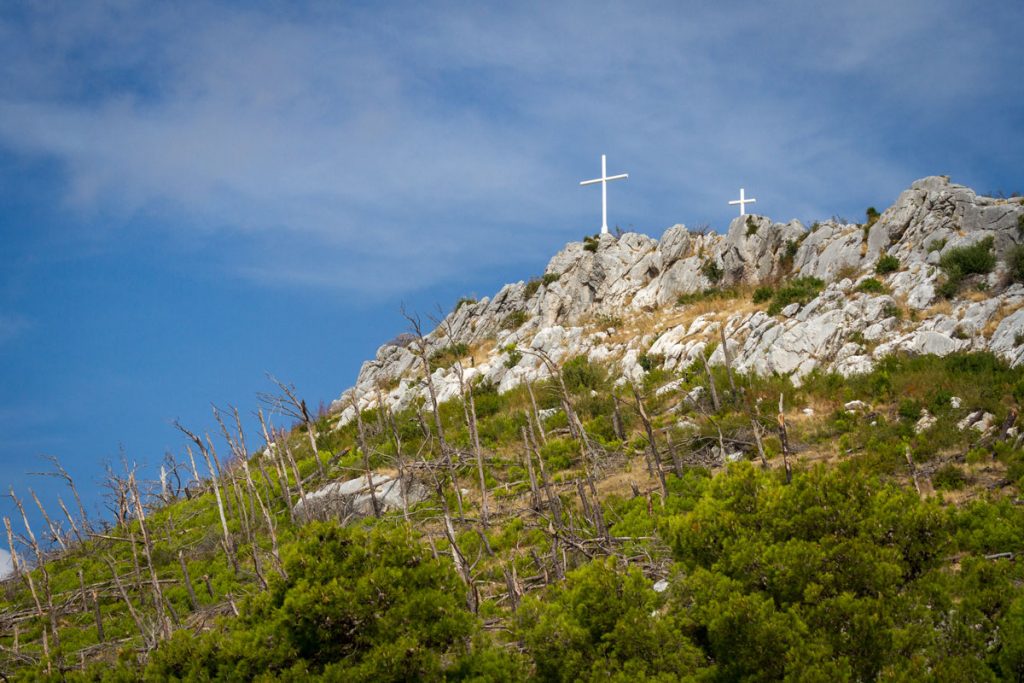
[228, 542]
[43, 570]
[147, 549]
[784, 439]
[420, 349]
[655, 457]
[365, 449]
[469, 413]
[536, 414]
[288, 403]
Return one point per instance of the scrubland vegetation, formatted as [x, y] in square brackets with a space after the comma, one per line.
[708, 526]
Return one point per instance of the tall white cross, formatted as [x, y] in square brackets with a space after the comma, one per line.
[741, 201]
[604, 190]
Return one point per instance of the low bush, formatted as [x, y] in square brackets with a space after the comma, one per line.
[887, 263]
[958, 263]
[1015, 262]
[799, 290]
[763, 294]
[871, 286]
[949, 477]
[514, 320]
[712, 271]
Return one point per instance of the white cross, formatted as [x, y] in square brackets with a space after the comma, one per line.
[604, 190]
[741, 201]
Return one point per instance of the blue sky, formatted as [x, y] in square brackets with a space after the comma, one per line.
[194, 194]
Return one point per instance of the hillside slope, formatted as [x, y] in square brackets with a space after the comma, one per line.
[775, 454]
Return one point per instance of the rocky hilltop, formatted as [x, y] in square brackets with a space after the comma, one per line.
[904, 281]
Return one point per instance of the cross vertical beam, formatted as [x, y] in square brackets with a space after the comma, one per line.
[604, 179]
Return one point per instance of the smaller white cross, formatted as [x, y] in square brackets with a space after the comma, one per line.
[604, 190]
[741, 201]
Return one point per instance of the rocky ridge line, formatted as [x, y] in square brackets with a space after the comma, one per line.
[614, 299]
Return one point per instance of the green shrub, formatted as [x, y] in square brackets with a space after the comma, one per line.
[871, 286]
[514, 320]
[937, 245]
[792, 246]
[550, 278]
[449, 354]
[531, 287]
[872, 216]
[710, 294]
[891, 310]
[887, 264]
[1020, 225]
[559, 453]
[976, 259]
[711, 270]
[514, 356]
[949, 477]
[762, 294]
[1015, 262]
[799, 290]
[591, 243]
[751, 226]
[464, 301]
[579, 373]
[650, 361]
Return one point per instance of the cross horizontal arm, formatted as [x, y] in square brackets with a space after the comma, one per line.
[601, 180]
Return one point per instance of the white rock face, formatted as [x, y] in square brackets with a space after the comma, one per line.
[594, 297]
[347, 499]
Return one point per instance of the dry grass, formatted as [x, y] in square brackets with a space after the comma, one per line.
[1003, 311]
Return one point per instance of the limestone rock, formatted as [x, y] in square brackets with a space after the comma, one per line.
[592, 298]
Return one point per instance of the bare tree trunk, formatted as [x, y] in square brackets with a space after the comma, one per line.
[54, 530]
[43, 571]
[677, 464]
[651, 441]
[98, 616]
[127, 601]
[228, 543]
[913, 469]
[147, 548]
[361, 436]
[760, 445]
[527, 453]
[711, 384]
[784, 439]
[728, 359]
[475, 434]
[536, 414]
[71, 520]
[23, 572]
[63, 474]
[617, 424]
[188, 581]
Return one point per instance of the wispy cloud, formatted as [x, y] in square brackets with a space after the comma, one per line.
[337, 146]
[5, 563]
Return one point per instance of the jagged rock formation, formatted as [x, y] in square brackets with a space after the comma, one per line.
[614, 299]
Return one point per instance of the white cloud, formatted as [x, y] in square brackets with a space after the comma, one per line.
[334, 147]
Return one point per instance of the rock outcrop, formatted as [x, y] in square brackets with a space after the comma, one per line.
[616, 300]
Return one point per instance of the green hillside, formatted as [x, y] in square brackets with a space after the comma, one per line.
[791, 535]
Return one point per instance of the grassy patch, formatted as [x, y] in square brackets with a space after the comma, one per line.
[799, 290]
